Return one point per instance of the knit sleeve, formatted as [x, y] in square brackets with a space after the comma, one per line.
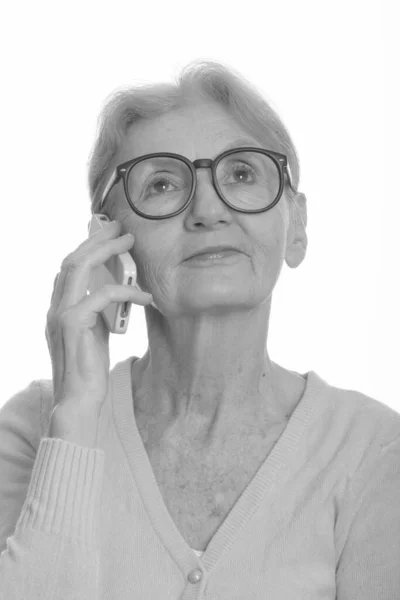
[49, 502]
[369, 566]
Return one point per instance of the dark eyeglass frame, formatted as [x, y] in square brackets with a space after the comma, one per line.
[123, 170]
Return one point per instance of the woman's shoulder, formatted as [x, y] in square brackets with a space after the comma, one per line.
[27, 411]
[360, 415]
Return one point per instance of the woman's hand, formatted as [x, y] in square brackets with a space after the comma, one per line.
[76, 334]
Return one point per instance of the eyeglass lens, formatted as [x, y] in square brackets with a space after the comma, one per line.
[161, 185]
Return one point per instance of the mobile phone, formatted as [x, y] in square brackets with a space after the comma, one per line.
[119, 269]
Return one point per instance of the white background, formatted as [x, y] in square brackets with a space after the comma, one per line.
[329, 69]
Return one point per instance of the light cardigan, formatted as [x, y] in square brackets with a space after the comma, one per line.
[319, 520]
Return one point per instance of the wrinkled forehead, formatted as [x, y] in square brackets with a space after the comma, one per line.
[200, 131]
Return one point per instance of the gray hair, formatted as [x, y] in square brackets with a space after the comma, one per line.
[196, 81]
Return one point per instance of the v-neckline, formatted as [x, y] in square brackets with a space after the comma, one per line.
[263, 481]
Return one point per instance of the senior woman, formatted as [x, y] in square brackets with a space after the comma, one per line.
[217, 473]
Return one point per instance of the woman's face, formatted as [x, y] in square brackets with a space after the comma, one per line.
[161, 247]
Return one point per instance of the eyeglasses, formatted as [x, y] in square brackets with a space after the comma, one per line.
[162, 185]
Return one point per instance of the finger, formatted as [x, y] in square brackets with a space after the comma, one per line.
[109, 231]
[57, 292]
[78, 272]
[54, 285]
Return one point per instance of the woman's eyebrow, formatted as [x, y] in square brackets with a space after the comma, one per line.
[241, 141]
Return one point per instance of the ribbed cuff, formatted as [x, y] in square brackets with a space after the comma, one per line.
[64, 492]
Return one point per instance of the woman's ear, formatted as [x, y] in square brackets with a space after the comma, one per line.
[300, 208]
[297, 237]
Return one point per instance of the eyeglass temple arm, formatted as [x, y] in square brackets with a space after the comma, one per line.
[289, 176]
[113, 180]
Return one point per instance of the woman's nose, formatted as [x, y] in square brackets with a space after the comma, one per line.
[205, 187]
[206, 203]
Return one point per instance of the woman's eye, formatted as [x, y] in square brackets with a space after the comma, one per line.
[243, 173]
[162, 183]
[159, 185]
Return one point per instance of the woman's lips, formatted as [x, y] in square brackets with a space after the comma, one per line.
[226, 256]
